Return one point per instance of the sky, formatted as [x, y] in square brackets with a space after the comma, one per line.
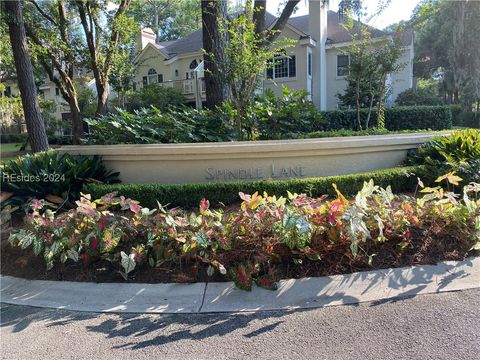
[398, 10]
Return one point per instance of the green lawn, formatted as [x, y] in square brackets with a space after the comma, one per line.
[4, 148]
[10, 147]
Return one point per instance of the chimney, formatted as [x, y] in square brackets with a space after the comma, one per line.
[317, 26]
[145, 37]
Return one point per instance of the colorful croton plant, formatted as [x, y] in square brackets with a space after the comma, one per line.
[248, 244]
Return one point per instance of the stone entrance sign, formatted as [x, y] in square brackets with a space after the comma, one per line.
[252, 160]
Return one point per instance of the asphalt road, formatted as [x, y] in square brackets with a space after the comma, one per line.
[438, 326]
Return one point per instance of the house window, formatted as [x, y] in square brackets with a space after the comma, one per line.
[193, 65]
[282, 67]
[152, 77]
[57, 91]
[160, 78]
[343, 62]
[292, 66]
[134, 86]
[176, 72]
[8, 91]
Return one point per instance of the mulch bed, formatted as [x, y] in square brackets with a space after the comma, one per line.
[423, 249]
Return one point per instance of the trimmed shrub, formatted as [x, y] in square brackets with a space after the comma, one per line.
[60, 140]
[22, 138]
[348, 132]
[397, 118]
[189, 195]
[468, 119]
[456, 111]
[13, 138]
[417, 97]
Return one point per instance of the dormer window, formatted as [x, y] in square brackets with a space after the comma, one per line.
[193, 65]
[152, 77]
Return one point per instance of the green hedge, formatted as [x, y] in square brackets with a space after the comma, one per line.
[13, 138]
[189, 195]
[346, 133]
[468, 119]
[21, 138]
[396, 118]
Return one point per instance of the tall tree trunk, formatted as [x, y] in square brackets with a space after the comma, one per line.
[77, 122]
[101, 65]
[31, 109]
[370, 107]
[381, 104]
[357, 104]
[259, 15]
[215, 90]
[102, 100]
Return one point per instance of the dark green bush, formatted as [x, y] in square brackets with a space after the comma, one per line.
[459, 152]
[154, 95]
[419, 117]
[13, 138]
[51, 173]
[456, 111]
[348, 132]
[278, 117]
[22, 138]
[417, 97]
[397, 118]
[468, 119]
[60, 140]
[147, 126]
[208, 125]
[189, 195]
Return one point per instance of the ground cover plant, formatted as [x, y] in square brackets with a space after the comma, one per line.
[263, 240]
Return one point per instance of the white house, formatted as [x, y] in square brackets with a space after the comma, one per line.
[316, 63]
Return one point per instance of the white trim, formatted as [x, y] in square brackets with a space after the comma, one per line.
[308, 42]
[291, 27]
[283, 78]
[183, 56]
[348, 43]
[141, 53]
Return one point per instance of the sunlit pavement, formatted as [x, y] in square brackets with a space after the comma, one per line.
[436, 326]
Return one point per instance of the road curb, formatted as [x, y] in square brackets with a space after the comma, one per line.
[378, 285]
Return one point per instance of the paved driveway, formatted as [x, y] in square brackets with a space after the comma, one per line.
[439, 326]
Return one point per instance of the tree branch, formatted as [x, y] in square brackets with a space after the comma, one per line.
[115, 38]
[43, 13]
[282, 20]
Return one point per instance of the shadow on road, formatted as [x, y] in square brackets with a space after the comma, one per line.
[170, 328]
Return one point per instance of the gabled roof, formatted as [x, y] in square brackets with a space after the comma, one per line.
[336, 34]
